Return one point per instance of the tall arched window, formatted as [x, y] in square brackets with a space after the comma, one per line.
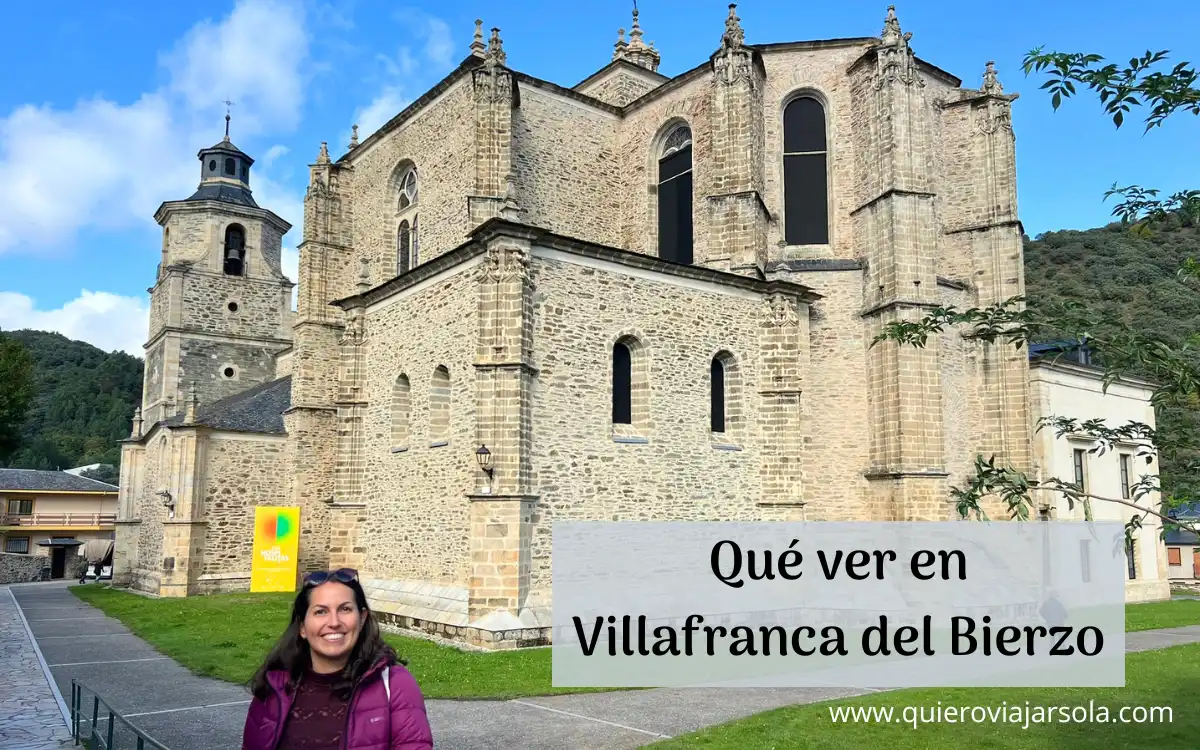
[675, 196]
[406, 213]
[805, 169]
[717, 397]
[235, 250]
[403, 247]
[622, 384]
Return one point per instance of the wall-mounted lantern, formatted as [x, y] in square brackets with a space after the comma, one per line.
[484, 457]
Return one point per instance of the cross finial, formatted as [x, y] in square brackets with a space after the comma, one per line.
[227, 104]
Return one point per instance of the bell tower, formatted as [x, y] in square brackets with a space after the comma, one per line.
[220, 307]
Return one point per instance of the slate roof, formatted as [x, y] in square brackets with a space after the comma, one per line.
[226, 147]
[225, 193]
[258, 409]
[1180, 536]
[50, 481]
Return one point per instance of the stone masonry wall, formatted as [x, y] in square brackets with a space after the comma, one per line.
[439, 140]
[197, 237]
[157, 473]
[23, 568]
[833, 400]
[416, 493]
[618, 88]
[207, 297]
[241, 472]
[566, 171]
[581, 472]
[205, 362]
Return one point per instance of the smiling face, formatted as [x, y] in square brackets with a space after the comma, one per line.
[331, 626]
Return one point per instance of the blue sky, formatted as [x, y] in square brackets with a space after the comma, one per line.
[105, 123]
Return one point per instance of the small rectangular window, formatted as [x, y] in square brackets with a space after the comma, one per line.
[1080, 472]
[1125, 488]
[20, 507]
[17, 545]
[1173, 556]
[1131, 558]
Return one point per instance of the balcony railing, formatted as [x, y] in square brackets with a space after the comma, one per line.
[59, 519]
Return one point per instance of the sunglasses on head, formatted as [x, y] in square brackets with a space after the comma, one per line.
[341, 575]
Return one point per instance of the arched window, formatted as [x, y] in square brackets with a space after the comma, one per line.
[675, 196]
[408, 189]
[622, 384]
[403, 247]
[630, 390]
[406, 232]
[230, 166]
[439, 405]
[400, 412]
[717, 397]
[805, 170]
[725, 396]
[235, 250]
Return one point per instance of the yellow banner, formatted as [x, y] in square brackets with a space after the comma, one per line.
[276, 544]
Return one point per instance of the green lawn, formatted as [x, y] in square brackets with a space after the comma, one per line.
[1168, 677]
[227, 635]
[1153, 615]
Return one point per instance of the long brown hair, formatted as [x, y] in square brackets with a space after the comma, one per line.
[291, 653]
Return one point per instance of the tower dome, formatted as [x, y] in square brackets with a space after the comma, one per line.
[225, 173]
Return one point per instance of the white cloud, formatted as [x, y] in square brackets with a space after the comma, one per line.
[108, 321]
[384, 107]
[253, 56]
[430, 54]
[107, 165]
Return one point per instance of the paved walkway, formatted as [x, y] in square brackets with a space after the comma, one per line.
[186, 712]
[30, 716]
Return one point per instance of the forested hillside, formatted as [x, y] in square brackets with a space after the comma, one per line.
[82, 405]
[1116, 274]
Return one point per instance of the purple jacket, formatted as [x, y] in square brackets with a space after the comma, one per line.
[387, 712]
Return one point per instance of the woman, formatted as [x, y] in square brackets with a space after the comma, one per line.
[332, 682]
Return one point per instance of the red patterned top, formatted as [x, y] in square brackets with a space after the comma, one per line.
[318, 718]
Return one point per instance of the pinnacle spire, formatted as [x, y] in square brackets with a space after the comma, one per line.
[635, 50]
[991, 82]
[734, 36]
[892, 36]
[478, 48]
[495, 49]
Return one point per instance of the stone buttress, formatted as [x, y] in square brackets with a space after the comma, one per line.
[502, 509]
[896, 227]
[738, 215]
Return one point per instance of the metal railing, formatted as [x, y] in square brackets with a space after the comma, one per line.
[97, 726]
[58, 519]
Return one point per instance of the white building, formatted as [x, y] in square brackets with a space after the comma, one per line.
[1067, 385]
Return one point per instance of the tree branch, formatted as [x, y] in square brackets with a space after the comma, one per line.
[1120, 501]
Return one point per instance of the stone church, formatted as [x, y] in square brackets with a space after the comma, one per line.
[636, 297]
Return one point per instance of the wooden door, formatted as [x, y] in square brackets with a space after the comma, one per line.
[1195, 562]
